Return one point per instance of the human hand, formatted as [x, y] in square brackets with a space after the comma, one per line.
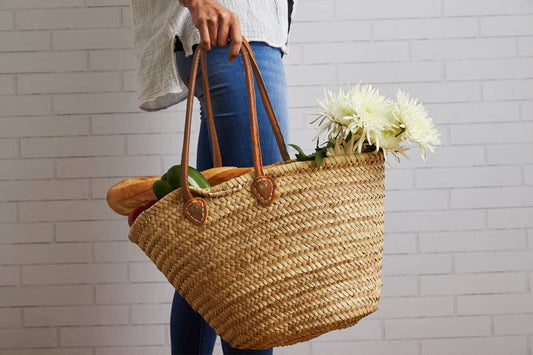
[216, 24]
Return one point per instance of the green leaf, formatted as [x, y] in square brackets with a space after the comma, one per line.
[319, 158]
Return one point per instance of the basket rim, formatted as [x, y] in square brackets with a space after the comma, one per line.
[237, 183]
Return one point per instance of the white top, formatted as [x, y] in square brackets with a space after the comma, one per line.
[157, 22]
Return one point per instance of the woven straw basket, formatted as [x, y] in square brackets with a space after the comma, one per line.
[276, 269]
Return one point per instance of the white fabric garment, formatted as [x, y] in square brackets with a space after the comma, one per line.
[157, 22]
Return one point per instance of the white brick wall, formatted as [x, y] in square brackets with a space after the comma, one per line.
[458, 258]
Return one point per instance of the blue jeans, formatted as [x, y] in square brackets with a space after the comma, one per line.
[189, 332]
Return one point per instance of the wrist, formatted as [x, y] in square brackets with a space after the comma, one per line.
[188, 3]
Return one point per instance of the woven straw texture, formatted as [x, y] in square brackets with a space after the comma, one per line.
[277, 275]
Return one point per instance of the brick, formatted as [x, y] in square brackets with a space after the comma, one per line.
[383, 9]
[355, 52]
[6, 20]
[55, 351]
[316, 10]
[402, 347]
[144, 350]
[46, 296]
[311, 74]
[74, 274]
[468, 177]
[416, 200]
[527, 110]
[525, 46]
[15, 233]
[137, 123]
[434, 221]
[8, 212]
[472, 284]
[489, 69]
[437, 327]
[389, 72]
[68, 18]
[486, 345]
[36, 62]
[65, 211]
[494, 261]
[24, 169]
[92, 3]
[510, 154]
[486, 7]
[118, 252]
[364, 330]
[44, 190]
[95, 103]
[68, 82]
[492, 197]
[510, 218]
[127, 17]
[45, 253]
[7, 84]
[145, 272]
[118, 59]
[44, 126]
[507, 25]
[92, 39]
[92, 231]
[411, 307]
[492, 133]
[129, 80]
[396, 179]
[508, 90]
[528, 175]
[24, 105]
[75, 316]
[466, 48]
[417, 264]
[9, 148]
[154, 144]
[134, 293]
[24, 41]
[399, 244]
[425, 28]
[28, 338]
[397, 286]
[109, 336]
[150, 314]
[71, 146]
[108, 167]
[443, 92]
[10, 318]
[475, 112]
[28, 4]
[495, 304]
[513, 325]
[485, 240]
[309, 32]
[9, 275]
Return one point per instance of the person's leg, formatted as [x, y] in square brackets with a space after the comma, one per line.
[189, 332]
[230, 109]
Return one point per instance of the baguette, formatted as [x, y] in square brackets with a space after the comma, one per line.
[130, 193]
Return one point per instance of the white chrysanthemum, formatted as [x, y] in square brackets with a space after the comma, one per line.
[418, 126]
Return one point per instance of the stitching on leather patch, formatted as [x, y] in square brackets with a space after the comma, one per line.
[272, 186]
[202, 210]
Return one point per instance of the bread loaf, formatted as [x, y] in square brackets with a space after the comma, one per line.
[130, 193]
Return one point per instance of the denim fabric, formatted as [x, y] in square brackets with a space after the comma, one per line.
[190, 333]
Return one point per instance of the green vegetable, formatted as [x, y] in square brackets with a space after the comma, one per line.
[171, 180]
[161, 188]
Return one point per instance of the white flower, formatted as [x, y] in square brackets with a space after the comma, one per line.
[418, 126]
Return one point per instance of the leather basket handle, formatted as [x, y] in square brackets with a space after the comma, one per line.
[263, 187]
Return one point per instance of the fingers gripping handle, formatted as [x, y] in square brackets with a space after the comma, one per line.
[263, 187]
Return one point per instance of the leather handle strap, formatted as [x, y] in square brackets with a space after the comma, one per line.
[264, 186]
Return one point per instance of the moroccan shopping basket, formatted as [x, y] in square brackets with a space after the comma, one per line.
[278, 255]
